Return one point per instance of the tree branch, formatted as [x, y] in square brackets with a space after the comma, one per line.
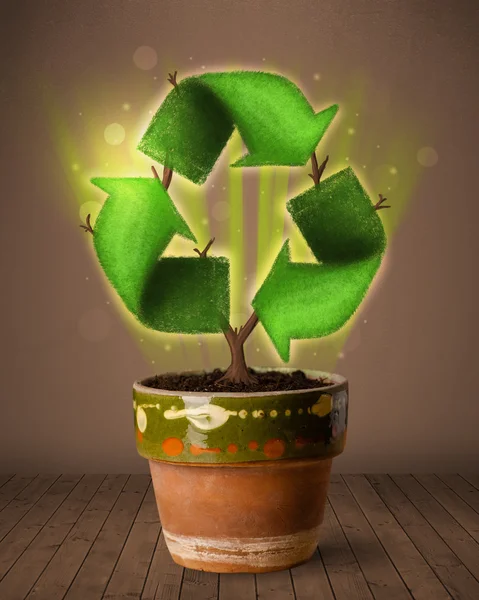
[167, 175]
[88, 226]
[317, 171]
[172, 79]
[247, 328]
[208, 246]
[379, 204]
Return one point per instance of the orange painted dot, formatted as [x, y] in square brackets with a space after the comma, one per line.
[233, 448]
[172, 446]
[139, 435]
[274, 448]
[300, 442]
[253, 445]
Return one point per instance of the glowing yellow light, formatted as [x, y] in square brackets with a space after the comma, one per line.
[351, 131]
[393, 171]
[167, 347]
[114, 134]
[126, 106]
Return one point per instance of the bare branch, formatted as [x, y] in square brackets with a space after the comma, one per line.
[379, 204]
[172, 79]
[207, 247]
[317, 170]
[88, 226]
[248, 328]
[167, 175]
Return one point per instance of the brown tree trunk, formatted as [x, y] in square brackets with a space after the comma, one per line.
[237, 372]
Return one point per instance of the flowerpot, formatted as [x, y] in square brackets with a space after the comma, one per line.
[241, 479]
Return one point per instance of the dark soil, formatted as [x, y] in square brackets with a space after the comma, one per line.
[273, 381]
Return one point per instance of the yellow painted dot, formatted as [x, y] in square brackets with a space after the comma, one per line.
[242, 414]
[287, 412]
[75, 167]
[258, 414]
[351, 131]
[126, 106]
[323, 406]
[300, 411]
[273, 413]
[167, 347]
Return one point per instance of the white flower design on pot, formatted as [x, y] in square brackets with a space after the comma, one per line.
[204, 418]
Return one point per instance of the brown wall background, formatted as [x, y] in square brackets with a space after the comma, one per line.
[65, 400]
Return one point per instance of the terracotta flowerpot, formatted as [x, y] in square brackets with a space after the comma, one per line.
[241, 479]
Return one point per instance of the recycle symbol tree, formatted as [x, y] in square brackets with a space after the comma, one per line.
[191, 294]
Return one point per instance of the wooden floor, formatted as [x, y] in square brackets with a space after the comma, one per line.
[384, 537]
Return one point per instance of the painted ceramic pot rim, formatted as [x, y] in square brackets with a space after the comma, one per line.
[339, 383]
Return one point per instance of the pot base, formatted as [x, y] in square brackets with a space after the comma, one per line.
[244, 518]
[240, 555]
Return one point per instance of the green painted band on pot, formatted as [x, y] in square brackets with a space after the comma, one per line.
[191, 427]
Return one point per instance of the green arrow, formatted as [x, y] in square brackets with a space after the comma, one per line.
[195, 121]
[134, 227]
[345, 233]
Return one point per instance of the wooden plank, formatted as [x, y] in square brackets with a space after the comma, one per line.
[310, 580]
[19, 538]
[4, 478]
[380, 573]
[94, 574]
[472, 478]
[129, 576]
[463, 489]
[22, 576]
[60, 572]
[343, 570]
[12, 487]
[457, 508]
[23, 502]
[457, 579]
[199, 585]
[417, 574]
[164, 577]
[240, 586]
[274, 586]
[446, 526]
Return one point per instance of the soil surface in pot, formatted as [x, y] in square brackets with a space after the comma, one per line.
[273, 381]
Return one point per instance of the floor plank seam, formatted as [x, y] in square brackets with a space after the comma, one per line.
[31, 507]
[59, 546]
[93, 542]
[377, 537]
[443, 539]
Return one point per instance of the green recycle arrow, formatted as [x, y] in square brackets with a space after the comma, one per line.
[195, 121]
[347, 238]
[133, 229]
[191, 295]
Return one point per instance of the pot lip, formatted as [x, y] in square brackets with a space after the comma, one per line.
[339, 383]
